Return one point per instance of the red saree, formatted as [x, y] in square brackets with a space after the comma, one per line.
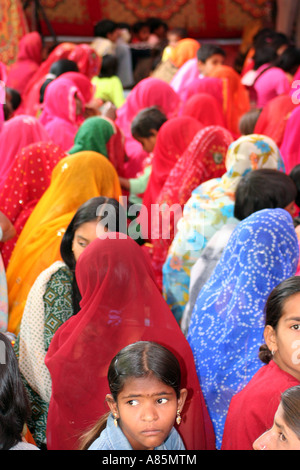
[28, 61]
[173, 138]
[274, 117]
[205, 108]
[121, 304]
[24, 185]
[203, 160]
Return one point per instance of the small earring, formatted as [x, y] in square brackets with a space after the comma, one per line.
[116, 420]
[178, 417]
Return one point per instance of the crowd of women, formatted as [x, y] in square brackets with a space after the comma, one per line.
[150, 289]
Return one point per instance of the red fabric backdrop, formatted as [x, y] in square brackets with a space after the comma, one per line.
[209, 18]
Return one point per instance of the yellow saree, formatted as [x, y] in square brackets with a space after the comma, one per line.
[75, 179]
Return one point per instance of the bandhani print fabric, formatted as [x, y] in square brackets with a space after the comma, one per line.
[210, 206]
[227, 322]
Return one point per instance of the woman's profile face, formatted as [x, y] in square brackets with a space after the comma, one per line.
[287, 337]
[279, 437]
[83, 236]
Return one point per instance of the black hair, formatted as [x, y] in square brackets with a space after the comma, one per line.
[138, 25]
[248, 121]
[14, 403]
[15, 97]
[138, 360]
[289, 60]
[208, 50]
[181, 32]
[274, 309]
[295, 175]
[105, 27]
[144, 359]
[109, 66]
[98, 208]
[290, 402]
[268, 36]
[146, 120]
[63, 66]
[265, 54]
[58, 68]
[155, 23]
[263, 189]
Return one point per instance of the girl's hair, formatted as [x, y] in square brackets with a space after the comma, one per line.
[147, 120]
[138, 360]
[290, 402]
[274, 309]
[289, 60]
[295, 175]
[263, 189]
[109, 66]
[14, 404]
[95, 209]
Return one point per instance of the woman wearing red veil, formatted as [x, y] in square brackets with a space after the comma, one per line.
[121, 304]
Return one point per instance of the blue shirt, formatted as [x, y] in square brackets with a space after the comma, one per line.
[112, 438]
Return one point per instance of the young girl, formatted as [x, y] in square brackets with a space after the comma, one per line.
[285, 432]
[14, 404]
[251, 411]
[145, 401]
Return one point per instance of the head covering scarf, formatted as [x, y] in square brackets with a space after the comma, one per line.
[88, 61]
[227, 323]
[75, 179]
[148, 92]
[83, 83]
[205, 108]
[101, 135]
[120, 304]
[184, 50]
[174, 136]
[59, 113]
[290, 145]
[208, 85]
[31, 94]
[210, 206]
[17, 133]
[273, 118]
[204, 159]
[24, 185]
[28, 61]
[186, 74]
[236, 100]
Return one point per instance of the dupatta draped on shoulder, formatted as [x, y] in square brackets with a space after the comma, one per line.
[290, 148]
[101, 135]
[227, 323]
[202, 160]
[121, 304]
[75, 179]
[28, 61]
[210, 206]
[59, 115]
[25, 183]
[17, 133]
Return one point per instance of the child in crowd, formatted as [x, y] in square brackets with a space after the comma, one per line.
[14, 404]
[145, 401]
[108, 86]
[144, 129]
[209, 57]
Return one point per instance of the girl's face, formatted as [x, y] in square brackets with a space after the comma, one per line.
[148, 143]
[146, 410]
[83, 236]
[285, 341]
[279, 437]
